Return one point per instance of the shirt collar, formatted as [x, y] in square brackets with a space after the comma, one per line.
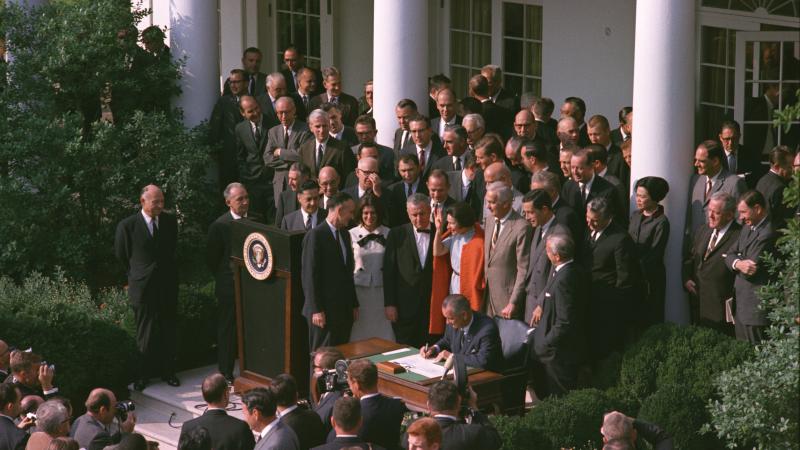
[547, 225]
[269, 428]
[588, 184]
[721, 232]
[756, 226]
[333, 229]
[558, 267]
[465, 330]
[364, 397]
[287, 410]
[236, 216]
[149, 219]
[446, 416]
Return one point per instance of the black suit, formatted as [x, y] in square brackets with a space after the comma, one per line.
[335, 154]
[539, 266]
[152, 272]
[347, 104]
[227, 433]
[348, 136]
[382, 417]
[571, 194]
[324, 409]
[256, 84]
[576, 223]
[547, 131]
[396, 196]
[221, 130]
[268, 108]
[616, 137]
[507, 100]
[583, 136]
[480, 347]
[558, 341]
[771, 186]
[407, 284]
[459, 435]
[347, 442]
[498, 119]
[614, 270]
[431, 156]
[446, 163]
[255, 176]
[11, 437]
[619, 168]
[307, 425]
[328, 285]
[290, 86]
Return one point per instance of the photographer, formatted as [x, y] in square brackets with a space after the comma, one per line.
[620, 432]
[52, 422]
[31, 375]
[444, 404]
[325, 359]
[305, 423]
[91, 429]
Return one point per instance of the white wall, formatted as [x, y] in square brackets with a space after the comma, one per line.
[588, 52]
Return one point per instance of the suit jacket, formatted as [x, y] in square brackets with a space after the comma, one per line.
[324, 409]
[539, 267]
[507, 265]
[348, 105]
[386, 162]
[382, 417]
[583, 135]
[547, 131]
[227, 433]
[445, 162]
[396, 198]
[149, 263]
[221, 129]
[307, 425]
[294, 220]
[259, 84]
[771, 185]
[298, 135]
[507, 100]
[459, 435]
[336, 154]
[327, 280]
[616, 137]
[571, 194]
[347, 442]
[437, 121]
[407, 280]
[613, 264]
[619, 168]
[91, 434]
[498, 119]
[348, 136]
[480, 347]
[268, 109]
[287, 203]
[436, 152]
[11, 437]
[290, 86]
[457, 192]
[752, 245]
[250, 154]
[559, 336]
[281, 437]
[568, 217]
[712, 277]
[698, 202]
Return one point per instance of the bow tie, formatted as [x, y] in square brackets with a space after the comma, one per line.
[422, 230]
[372, 237]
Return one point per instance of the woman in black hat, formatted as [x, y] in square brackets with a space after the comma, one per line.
[649, 229]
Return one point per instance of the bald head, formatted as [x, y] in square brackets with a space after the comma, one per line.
[328, 173]
[524, 124]
[567, 130]
[328, 181]
[152, 200]
[497, 172]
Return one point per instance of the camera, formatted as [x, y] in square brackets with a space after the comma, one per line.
[334, 380]
[31, 416]
[51, 366]
[123, 408]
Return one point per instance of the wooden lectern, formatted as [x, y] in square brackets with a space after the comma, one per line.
[271, 331]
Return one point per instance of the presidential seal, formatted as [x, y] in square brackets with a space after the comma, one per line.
[257, 255]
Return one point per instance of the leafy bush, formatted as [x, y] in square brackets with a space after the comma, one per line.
[676, 409]
[59, 320]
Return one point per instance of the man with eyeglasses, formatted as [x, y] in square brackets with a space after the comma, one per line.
[295, 61]
[366, 132]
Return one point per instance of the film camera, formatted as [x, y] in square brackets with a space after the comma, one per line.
[334, 380]
[123, 408]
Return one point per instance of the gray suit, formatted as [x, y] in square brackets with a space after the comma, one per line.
[298, 135]
[506, 265]
[539, 266]
[752, 245]
[280, 437]
[294, 220]
[91, 434]
[698, 201]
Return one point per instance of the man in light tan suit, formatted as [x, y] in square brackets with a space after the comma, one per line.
[507, 248]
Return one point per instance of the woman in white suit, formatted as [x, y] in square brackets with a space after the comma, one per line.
[369, 244]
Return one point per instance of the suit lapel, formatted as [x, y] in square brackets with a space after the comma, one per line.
[413, 245]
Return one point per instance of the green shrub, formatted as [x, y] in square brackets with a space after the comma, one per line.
[640, 362]
[59, 320]
[676, 409]
[516, 433]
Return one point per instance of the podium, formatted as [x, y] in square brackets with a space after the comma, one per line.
[271, 332]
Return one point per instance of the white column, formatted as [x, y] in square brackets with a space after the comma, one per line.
[194, 34]
[400, 60]
[663, 105]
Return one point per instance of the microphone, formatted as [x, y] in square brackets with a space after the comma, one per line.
[448, 364]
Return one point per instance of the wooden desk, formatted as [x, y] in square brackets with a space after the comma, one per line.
[488, 385]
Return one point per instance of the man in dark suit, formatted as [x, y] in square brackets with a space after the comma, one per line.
[609, 255]
[558, 340]
[740, 160]
[455, 146]
[309, 215]
[615, 165]
[537, 209]
[427, 149]
[381, 415]
[259, 408]
[711, 177]
[599, 156]
[745, 260]
[251, 140]
[446, 107]
[218, 261]
[575, 107]
[276, 88]
[439, 189]
[227, 433]
[145, 245]
[327, 276]
[307, 89]
[436, 84]
[348, 105]
[304, 422]
[407, 272]
[409, 184]
[255, 80]
[773, 183]
[283, 144]
[339, 130]
[623, 132]
[542, 110]
[295, 62]
[498, 94]
[346, 421]
[705, 274]
[564, 213]
[325, 359]
[498, 119]
[298, 174]
[324, 150]
[366, 133]
[221, 128]
[444, 404]
[585, 186]
[469, 334]
[11, 437]
[536, 158]
[404, 111]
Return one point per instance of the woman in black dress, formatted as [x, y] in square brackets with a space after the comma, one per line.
[649, 229]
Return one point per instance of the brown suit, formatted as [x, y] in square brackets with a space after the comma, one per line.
[336, 154]
[507, 264]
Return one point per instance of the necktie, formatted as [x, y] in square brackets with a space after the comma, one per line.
[251, 85]
[155, 228]
[711, 244]
[319, 157]
[457, 163]
[583, 192]
[341, 249]
[708, 188]
[308, 222]
[305, 101]
[539, 235]
[257, 133]
[594, 236]
[435, 212]
[409, 190]
[422, 160]
[335, 100]
[732, 163]
[285, 137]
[496, 232]
[404, 140]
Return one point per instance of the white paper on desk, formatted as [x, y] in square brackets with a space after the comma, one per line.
[400, 350]
[418, 364]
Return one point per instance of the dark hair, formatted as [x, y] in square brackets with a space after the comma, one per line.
[715, 150]
[540, 199]
[8, 394]
[308, 185]
[238, 72]
[132, 441]
[578, 103]
[195, 439]
[408, 158]
[779, 155]
[407, 103]
[367, 145]
[544, 106]
[369, 200]
[328, 356]
[752, 198]
[300, 167]
[327, 107]
[459, 130]
[98, 399]
[470, 105]
[536, 148]
[443, 396]
[421, 118]
[153, 32]
[260, 399]
[366, 120]
[364, 372]
[598, 153]
[462, 213]
[347, 413]
[732, 125]
[623, 114]
[284, 387]
[479, 85]
[214, 388]
[584, 152]
[439, 81]
[490, 146]
[441, 174]
[338, 199]
[251, 50]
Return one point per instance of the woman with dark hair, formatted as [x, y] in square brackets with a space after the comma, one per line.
[649, 229]
[369, 245]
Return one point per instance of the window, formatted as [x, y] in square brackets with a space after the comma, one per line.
[470, 40]
[298, 23]
[788, 8]
[717, 65]
[522, 47]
